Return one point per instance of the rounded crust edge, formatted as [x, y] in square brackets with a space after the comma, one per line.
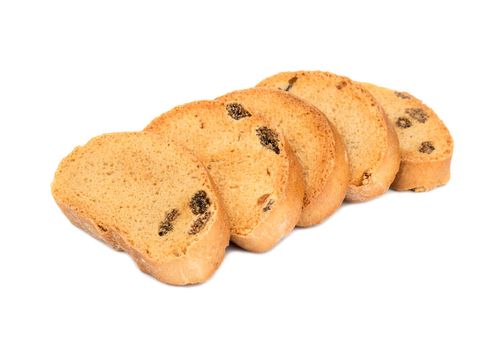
[191, 268]
[335, 188]
[415, 173]
[283, 217]
[388, 167]
[202, 257]
[332, 192]
[285, 214]
[384, 175]
[422, 176]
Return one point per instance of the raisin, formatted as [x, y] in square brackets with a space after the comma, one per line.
[268, 138]
[199, 203]
[172, 215]
[402, 95]
[418, 114]
[268, 206]
[165, 227]
[291, 81]
[167, 224]
[403, 122]
[426, 147]
[237, 111]
[199, 223]
[365, 178]
[341, 84]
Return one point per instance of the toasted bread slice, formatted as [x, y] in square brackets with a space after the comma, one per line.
[257, 175]
[313, 139]
[371, 143]
[144, 195]
[425, 143]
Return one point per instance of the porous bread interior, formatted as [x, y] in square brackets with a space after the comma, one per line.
[248, 175]
[305, 128]
[353, 111]
[411, 138]
[129, 182]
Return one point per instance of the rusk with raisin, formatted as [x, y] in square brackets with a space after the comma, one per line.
[425, 143]
[144, 195]
[257, 174]
[371, 142]
[313, 139]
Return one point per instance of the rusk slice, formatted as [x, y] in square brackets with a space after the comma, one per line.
[370, 141]
[425, 143]
[144, 195]
[257, 175]
[314, 141]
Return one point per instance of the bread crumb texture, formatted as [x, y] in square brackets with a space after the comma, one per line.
[155, 195]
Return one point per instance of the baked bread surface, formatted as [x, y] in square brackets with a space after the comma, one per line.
[426, 145]
[257, 174]
[144, 195]
[315, 142]
[371, 142]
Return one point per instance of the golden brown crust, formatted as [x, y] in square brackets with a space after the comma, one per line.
[372, 169]
[422, 176]
[273, 224]
[414, 123]
[383, 175]
[201, 256]
[201, 261]
[284, 216]
[89, 226]
[313, 139]
[334, 191]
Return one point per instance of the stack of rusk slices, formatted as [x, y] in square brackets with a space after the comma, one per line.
[248, 167]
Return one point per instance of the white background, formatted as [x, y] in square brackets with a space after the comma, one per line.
[404, 271]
